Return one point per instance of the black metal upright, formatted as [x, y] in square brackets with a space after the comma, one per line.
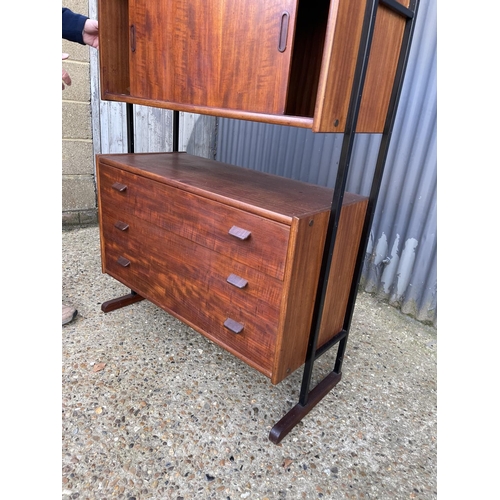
[175, 131]
[310, 397]
[130, 127]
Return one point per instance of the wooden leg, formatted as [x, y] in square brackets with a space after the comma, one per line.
[119, 302]
[298, 412]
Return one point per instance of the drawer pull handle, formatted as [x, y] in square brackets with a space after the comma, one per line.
[237, 281]
[122, 226]
[119, 187]
[238, 232]
[232, 325]
[123, 261]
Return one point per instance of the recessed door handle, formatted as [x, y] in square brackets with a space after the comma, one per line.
[285, 19]
[132, 37]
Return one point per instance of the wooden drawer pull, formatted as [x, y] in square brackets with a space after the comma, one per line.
[238, 232]
[123, 261]
[119, 187]
[237, 281]
[232, 325]
[122, 226]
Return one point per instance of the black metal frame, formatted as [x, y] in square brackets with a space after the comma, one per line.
[310, 397]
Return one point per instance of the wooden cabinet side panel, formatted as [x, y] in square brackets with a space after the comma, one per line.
[381, 71]
[298, 304]
[342, 269]
[301, 281]
[345, 22]
[114, 47]
[339, 64]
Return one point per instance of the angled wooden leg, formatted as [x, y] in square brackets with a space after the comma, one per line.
[119, 302]
[298, 412]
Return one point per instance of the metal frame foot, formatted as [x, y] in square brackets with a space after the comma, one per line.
[298, 412]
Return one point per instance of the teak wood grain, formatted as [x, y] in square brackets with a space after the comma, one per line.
[269, 196]
[387, 40]
[275, 61]
[192, 281]
[161, 219]
[343, 262]
[205, 222]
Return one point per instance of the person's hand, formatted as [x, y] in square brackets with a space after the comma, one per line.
[91, 33]
[65, 76]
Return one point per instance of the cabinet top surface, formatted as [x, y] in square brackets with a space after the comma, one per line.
[237, 186]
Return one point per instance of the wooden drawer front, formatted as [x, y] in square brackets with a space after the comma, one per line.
[198, 219]
[191, 282]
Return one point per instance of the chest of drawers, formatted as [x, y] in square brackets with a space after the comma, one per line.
[233, 253]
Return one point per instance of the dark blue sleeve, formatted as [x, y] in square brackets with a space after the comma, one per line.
[72, 26]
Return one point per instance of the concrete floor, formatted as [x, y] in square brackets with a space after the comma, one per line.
[153, 410]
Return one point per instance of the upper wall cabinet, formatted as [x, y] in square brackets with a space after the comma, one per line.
[276, 61]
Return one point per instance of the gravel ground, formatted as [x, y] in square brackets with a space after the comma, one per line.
[153, 410]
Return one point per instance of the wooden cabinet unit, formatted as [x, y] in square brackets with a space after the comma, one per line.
[277, 61]
[264, 266]
[232, 252]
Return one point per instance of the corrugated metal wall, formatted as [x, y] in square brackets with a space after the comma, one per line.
[400, 264]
